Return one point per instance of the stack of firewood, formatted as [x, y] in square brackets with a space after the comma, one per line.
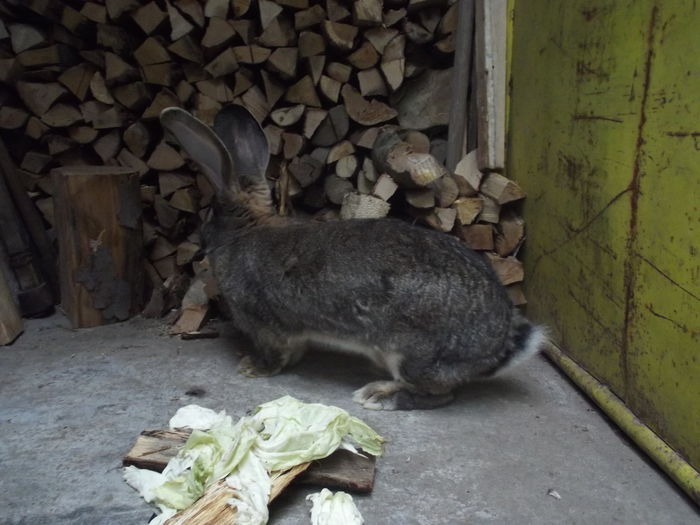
[84, 82]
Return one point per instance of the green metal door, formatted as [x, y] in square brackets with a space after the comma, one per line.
[604, 135]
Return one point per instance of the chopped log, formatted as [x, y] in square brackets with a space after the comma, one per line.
[364, 57]
[441, 219]
[468, 209]
[195, 308]
[310, 44]
[501, 189]
[309, 17]
[164, 99]
[136, 97]
[218, 8]
[379, 37]
[77, 79]
[312, 120]
[137, 138]
[127, 159]
[363, 111]
[148, 17]
[510, 234]
[416, 33]
[280, 33]
[303, 92]
[330, 88]
[10, 70]
[165, 158]
[446, 190]
[410, 170]
[340, 36]
[219, 32]
[179, 26]
[61, 116]
[240, 7]
[98, 214]
[509, 269]
[82, 134]
[24, 36]
[274, 138]
[468, 174]
[393, 62]
[478, 236]
[516, 294]
[185, 200]
[35, 161]
[254, 100]
[336, 11]
[186, 251]
[306, 170]
[35, 128]
[252, 54]
[392, 16]
[342, 470]
[367, 13]
[170, 182]
[365, 138]
[112, 118]
[371, 83]
[224, 64]
[339, 72]
[360, 206]
[283, 61]
[333, 129]
[107, 146]
[340, 150]
[188, 49]
[336, 188]
[99, 90]
[39, 96]
[491, 210]
[423, 102]
[385, 187]
[268, 12]
[293, 143]
[151, 51]
[273, 89]
[346, 167]
[423, 198]
[288, 116]
[369, 170]
[418, 141]
[117, 70]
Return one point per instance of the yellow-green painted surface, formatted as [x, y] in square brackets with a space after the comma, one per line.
[604, 135]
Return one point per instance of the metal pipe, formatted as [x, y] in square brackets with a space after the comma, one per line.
[665, 457]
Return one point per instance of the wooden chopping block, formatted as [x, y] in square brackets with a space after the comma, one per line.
[342, 470]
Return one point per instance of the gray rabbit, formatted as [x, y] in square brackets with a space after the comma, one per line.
[416, 302]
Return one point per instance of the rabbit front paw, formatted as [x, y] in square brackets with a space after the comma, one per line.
[250, 368]
[379, 395]
[396, 395]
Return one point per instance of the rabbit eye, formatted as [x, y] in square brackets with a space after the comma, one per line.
[361, 306]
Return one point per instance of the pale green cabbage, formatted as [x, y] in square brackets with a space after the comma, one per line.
[278, 435]
[334, 509]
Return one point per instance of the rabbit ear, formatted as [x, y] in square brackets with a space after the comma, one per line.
[245, 141]
[202, 145]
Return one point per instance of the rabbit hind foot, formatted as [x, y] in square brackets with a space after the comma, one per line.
[397, 395]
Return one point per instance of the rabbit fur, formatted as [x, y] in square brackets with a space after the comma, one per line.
[416, 302]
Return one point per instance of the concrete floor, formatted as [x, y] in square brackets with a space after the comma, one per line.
[72, 402]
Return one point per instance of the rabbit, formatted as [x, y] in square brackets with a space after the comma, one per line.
[416, 302]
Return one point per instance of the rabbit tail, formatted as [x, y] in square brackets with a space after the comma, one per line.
[524, 340]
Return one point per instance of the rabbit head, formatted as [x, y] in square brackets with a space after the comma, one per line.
[233, 156]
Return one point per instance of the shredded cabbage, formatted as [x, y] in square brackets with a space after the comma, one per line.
[334, 509]
[278, 435]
